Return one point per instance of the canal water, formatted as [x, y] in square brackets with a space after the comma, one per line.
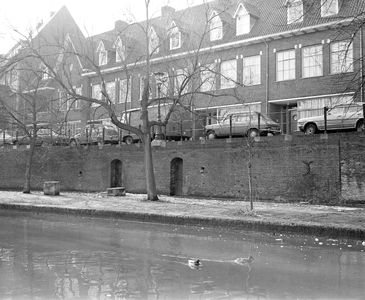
[71, 257]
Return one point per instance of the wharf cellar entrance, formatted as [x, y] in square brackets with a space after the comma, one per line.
[176, 177]
[116, 173]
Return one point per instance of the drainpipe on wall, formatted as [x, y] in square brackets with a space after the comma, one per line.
[267, 79]
[362, 63]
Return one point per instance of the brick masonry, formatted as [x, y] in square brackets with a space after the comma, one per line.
[315, 169]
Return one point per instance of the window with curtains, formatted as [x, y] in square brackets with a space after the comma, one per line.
[228, 74]
[251, 74]
[312, 61]
[208, 78]
[125, 88]
[342, 57]
[285, 65]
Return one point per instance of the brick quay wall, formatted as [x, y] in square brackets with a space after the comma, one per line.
[319, 169]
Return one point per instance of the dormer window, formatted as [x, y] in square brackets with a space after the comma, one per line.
[242, 20]
[329, 8]
[215, 27]
[120, 50]
[103, 54]
[295, 11]
[45, 72]
[154, 41]
[175, 36]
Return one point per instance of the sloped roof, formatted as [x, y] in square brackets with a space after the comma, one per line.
[271, 19]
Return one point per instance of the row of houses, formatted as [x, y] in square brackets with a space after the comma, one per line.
[284, 58]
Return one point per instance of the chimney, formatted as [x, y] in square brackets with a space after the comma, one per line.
[167, 11]
[120, 25]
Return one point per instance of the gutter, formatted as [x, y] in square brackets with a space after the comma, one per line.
[362, 63]
[269, 37]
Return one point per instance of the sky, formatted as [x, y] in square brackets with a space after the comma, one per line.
[92, 16]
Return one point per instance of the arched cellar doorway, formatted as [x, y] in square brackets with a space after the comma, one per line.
[116, 173]
[176, 177]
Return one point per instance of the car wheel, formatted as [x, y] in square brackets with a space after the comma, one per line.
[73, 143]
[128, 140]
[360, 126]
[310, 129]
[211, 135]
[253, 132]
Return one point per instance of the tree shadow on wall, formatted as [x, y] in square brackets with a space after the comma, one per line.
[312, 189]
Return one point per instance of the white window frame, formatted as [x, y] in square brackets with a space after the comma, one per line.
[285, 65]
[63, 100]
[74, 127]
[45, 74]
[215, 27]
[103, 54]
[110, 88]
[154, 41]
[342, 57]
[124, 85]
[228, 71]
[175, 37]
[180, 76]
[120, 50]
[96, 93]
[329, 8]
[295, 11]
[312, 61]
[243, 21]
[208, 78]
[251, 72]
[164, 89]
[75, 104]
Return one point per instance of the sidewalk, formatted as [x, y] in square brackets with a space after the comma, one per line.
[334, 221]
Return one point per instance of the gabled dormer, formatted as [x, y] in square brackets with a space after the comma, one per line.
[174, 36]
[294, 11]
[153, 41]
[103, 54]
[246, 16]
[119, 50]
[44, 71]
[215, 26]
[329, 7]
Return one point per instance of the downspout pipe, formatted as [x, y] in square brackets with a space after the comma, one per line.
[267, 79]
[362, 80]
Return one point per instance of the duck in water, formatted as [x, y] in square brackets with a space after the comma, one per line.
[194, 263]
[244, 261]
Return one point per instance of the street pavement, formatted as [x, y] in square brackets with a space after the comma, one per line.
[332, 221]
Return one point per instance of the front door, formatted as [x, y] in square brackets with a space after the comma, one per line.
[293, 119]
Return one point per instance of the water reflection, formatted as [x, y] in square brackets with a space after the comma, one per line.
[60, 257]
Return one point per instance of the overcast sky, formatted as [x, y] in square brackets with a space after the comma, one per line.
[91, 16]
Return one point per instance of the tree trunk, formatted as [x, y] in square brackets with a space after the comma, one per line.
[150, 173]
[28, 167]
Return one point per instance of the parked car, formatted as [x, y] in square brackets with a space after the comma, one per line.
[5, 138]
[340, 117]
[93, 134]
[243, 124]
[45, 136]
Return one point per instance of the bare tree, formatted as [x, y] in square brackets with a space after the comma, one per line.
[177, 82]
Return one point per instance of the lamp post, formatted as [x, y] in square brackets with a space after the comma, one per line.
[159, 81]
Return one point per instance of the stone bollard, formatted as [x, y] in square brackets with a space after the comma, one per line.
[117, 191]
[51, 188]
